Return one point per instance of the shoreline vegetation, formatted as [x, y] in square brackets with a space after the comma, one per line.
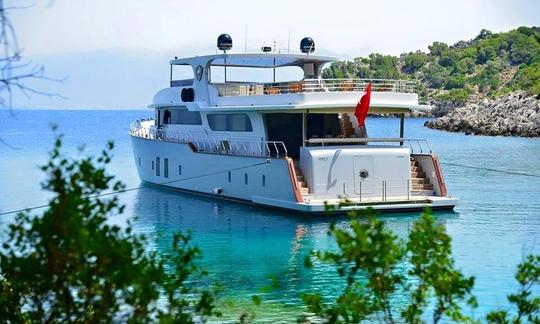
[493, 79]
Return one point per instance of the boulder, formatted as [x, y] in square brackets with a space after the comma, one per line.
[515, 114]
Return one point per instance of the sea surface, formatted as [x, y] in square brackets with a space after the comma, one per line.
[496, 223]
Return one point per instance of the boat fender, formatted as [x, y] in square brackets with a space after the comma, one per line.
[187, 95]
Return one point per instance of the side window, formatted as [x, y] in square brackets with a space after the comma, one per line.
[229, 122]
[185, 117]
[166, 167]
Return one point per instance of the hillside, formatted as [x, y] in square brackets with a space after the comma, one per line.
[488, 66]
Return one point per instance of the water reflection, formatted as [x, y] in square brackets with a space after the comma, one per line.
[243, 246]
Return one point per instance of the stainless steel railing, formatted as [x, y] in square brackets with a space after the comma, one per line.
[368, 191]
[417, 146]
[206, 144]
[313, 85]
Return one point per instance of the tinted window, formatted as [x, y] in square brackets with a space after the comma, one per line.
[184, 117]
[230, 122]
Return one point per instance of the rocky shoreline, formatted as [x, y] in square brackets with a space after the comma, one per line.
[515, 114]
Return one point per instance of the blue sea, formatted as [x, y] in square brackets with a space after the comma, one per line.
[496, 223]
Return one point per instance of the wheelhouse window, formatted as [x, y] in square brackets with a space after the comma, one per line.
[182, 75]
[181, 117]
[229, 122]
[246, 74]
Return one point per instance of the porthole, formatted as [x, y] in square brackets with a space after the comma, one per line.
[199, 72]
[364, 174]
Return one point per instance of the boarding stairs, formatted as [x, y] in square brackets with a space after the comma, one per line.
[304, 189]
[421, 185]
[347, 129]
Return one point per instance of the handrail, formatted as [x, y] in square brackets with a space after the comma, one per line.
[207, 144]
[354, 140]
[417, 146]
[370, 190]
[313, 85]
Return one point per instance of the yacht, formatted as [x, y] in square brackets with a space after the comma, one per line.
[267, 129]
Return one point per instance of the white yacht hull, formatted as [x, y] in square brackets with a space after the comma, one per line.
[255, 180]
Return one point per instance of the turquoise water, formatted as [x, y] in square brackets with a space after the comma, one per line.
[496, 223]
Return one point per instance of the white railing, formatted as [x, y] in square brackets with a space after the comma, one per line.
[368, 191]
[205, 144]
[313, 85]
[417, 146]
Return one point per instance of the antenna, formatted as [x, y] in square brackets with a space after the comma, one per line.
[289, 42]
[245, 40]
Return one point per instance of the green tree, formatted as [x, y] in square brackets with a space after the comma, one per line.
[527, 304]
[371, 260]
[485, 53]
[528, 78]
[430, 249]
[523, 49]
[413, 62]
[437, 48]
[384, 66]
[435, 75]
[70, 265]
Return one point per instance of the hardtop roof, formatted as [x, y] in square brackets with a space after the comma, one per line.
[254, 60]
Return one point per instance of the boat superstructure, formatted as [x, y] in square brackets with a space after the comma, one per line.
[267, 129]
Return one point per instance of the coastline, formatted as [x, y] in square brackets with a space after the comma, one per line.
[516, 114]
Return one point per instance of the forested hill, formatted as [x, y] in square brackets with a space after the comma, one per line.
[490, 65]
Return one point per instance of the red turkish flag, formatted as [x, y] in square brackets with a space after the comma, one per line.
[362, 107]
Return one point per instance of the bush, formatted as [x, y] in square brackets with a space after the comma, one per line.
[437, 48]
[70, 265]
[413, 62]
[368, 248]
[455, 95]
[435, 75]
[523, 49]
[528, 78]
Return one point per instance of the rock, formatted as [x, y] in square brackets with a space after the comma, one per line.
[515, 114]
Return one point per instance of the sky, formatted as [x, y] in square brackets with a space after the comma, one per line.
[144, 32]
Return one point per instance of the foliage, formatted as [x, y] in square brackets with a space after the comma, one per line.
[370, 258]
[373, 250]
[70, 265]
[413, 62]
[483, 65]
[526, 303]
[523, 49]
[430, 249]
[437, 48]
[528, 77]
[455, 95]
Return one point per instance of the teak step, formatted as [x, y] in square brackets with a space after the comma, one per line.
[423, 186]
[304, 190]
[418, 174]
[419, 180]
